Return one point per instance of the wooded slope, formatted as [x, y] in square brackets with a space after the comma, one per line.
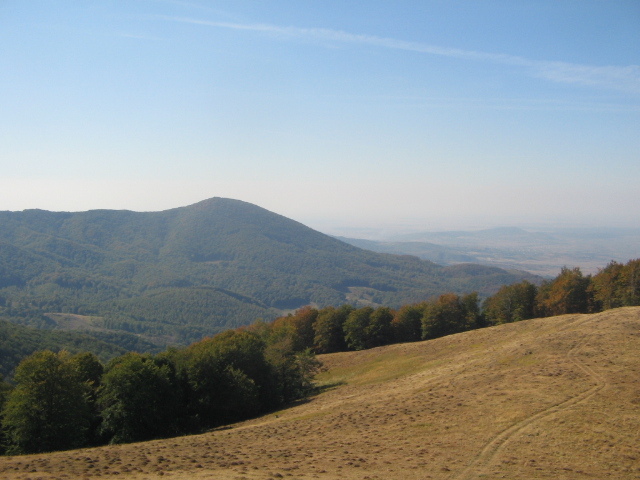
[178, 275]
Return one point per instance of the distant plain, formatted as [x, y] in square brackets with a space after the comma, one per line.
[542, 251]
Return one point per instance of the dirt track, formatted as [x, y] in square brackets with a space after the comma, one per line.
[553, 398]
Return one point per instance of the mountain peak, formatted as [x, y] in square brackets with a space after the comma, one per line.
[216, 201]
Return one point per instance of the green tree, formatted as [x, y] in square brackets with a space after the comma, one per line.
[293, 365]
[407, 323]
[379, 331]
[219, 393]
[511, 303]
[356, 328]
[631, 282]
[89, 368]
[244, 351]
[472, 314]
[445, 316]
[90, 371]
[294, 371]
[606, 286]
[48, 409]
[617, 285]
[329, 334]
[229, 378]
[138, 400]
[5, 388]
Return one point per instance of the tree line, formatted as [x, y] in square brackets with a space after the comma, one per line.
[63, 401]
[333, 329]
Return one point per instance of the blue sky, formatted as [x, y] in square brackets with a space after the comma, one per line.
[393, 114]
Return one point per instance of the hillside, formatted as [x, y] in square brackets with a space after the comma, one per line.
[18, 341]
[178, 275]
[553, 398]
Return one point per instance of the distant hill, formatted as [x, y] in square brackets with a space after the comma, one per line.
[552, 398]
[503, 236]
[181, 274]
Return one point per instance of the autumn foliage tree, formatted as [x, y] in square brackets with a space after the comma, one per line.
[302, 322]
[569, 292]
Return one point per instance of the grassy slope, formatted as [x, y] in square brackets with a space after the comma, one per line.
[545, 399]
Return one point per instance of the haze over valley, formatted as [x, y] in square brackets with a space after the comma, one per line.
[543, 251]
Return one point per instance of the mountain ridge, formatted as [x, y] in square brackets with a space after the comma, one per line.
[116, 264]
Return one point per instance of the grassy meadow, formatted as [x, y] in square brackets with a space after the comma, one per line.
[552, 398]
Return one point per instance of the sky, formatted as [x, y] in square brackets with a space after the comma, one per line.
[426, 115]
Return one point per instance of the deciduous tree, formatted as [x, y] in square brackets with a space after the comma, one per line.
[229, 378]
[302, 322]
[631, 282]
[5, 388]
[329, 334]
[511, 303]
[138, 400]
[356, 328]
[48, 409]
[445, 316]
[569, 292]
[407, 323]
[379, 331]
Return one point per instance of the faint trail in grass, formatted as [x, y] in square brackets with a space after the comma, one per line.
[491, 450]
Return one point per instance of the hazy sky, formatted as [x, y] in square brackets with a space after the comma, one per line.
[436, 113]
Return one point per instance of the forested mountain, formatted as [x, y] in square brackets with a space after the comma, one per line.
[178, 275]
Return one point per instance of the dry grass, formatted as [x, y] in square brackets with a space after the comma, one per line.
[555, 398]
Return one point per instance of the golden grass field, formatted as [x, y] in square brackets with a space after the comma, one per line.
[553, 398]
